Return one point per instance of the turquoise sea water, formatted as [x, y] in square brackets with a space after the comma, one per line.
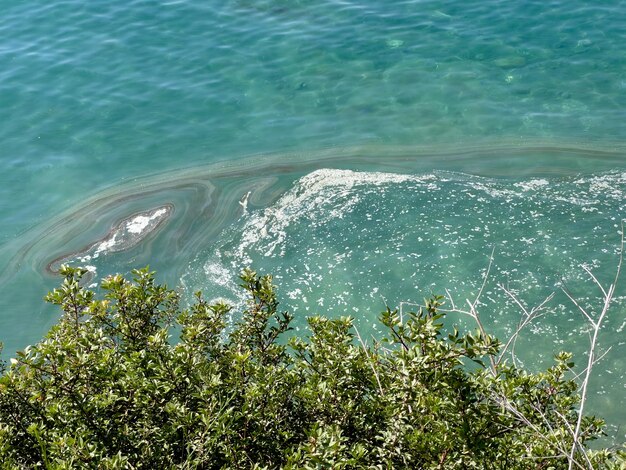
[364, 152]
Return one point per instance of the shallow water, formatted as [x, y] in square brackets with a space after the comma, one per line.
[365, 153]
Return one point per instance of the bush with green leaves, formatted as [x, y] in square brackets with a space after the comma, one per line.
[112, 386]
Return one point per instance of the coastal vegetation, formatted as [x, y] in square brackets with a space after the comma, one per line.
[130, 379]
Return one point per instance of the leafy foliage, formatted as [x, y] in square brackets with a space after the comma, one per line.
[108, 387]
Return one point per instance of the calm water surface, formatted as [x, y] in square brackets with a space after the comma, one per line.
[364, 152]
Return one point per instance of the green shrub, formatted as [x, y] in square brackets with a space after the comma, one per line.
[109, 388]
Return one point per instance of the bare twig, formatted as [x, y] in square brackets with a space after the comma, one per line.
[596, 324]
[473, 312]
[528, 316]
[480, 292]
[537, 432]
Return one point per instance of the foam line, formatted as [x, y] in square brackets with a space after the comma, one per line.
[207, 197]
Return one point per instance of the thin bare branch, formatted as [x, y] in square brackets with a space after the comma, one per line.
[515, 299]
[608, 297]
[534, 313]
[595, 280]
[482, 287]
[451, 299]
[537, 432]
[577, 305]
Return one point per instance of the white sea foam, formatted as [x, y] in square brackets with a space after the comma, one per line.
[532, 185]
[107, 244]
[244, 202]
[139, 223]
[218, 273]
[337, 191]
[130, 231]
